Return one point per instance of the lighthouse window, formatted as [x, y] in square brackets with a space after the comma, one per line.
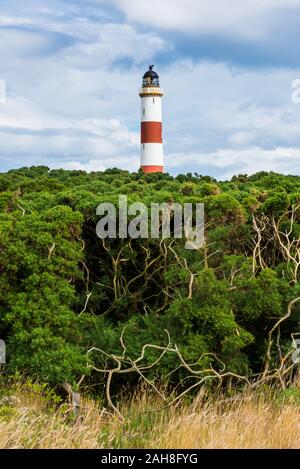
[143, 146]
[153, 100]
[143, 111]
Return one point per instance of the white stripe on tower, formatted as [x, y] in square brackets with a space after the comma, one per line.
[151, 123]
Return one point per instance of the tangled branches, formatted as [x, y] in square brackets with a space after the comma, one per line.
[284, 368]
[273, 237]
[125, 364]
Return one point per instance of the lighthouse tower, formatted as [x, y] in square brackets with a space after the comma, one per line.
[151, 123]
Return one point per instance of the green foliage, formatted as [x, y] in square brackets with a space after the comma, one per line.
[290, 396]
[206, 188]
[260, 296]
[188, 188]
[63, 291]
[207, 323]
[276, 204]
[224, 208]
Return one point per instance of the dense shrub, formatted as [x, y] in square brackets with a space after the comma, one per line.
[62, 290]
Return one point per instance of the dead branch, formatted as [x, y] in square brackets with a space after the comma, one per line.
[183, 263]
[270, 339]
[125, 364]
[51, 250]
[86, 303]
[74, 398]
[21, 208]
[289, 246]
[259, 226]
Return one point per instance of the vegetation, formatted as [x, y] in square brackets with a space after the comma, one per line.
[76, 309]
[31, 418]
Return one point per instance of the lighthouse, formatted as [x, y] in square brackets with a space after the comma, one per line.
[151, 123]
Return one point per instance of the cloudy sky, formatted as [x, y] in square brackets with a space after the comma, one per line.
[72, 70]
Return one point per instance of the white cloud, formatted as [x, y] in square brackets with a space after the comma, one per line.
[241, 138]
[21, 43]
[208, 106]
[29, 132]
[129, 163]
[111, 42]
[6, 20]
[247, 17]
[230, 161]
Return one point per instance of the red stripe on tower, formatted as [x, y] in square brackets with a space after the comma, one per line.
[153, 169]
[151, 123]
[151, 132]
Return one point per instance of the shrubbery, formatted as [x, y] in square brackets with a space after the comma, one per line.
[62, 290]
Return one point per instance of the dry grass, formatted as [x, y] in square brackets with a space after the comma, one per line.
[28, 429]
[244, 421]
[247, 422]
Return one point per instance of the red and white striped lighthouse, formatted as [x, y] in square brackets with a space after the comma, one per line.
[151, 123]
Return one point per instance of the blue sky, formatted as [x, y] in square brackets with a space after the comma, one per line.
[72, 70]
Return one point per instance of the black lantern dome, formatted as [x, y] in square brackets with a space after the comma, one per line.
[150, 78]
